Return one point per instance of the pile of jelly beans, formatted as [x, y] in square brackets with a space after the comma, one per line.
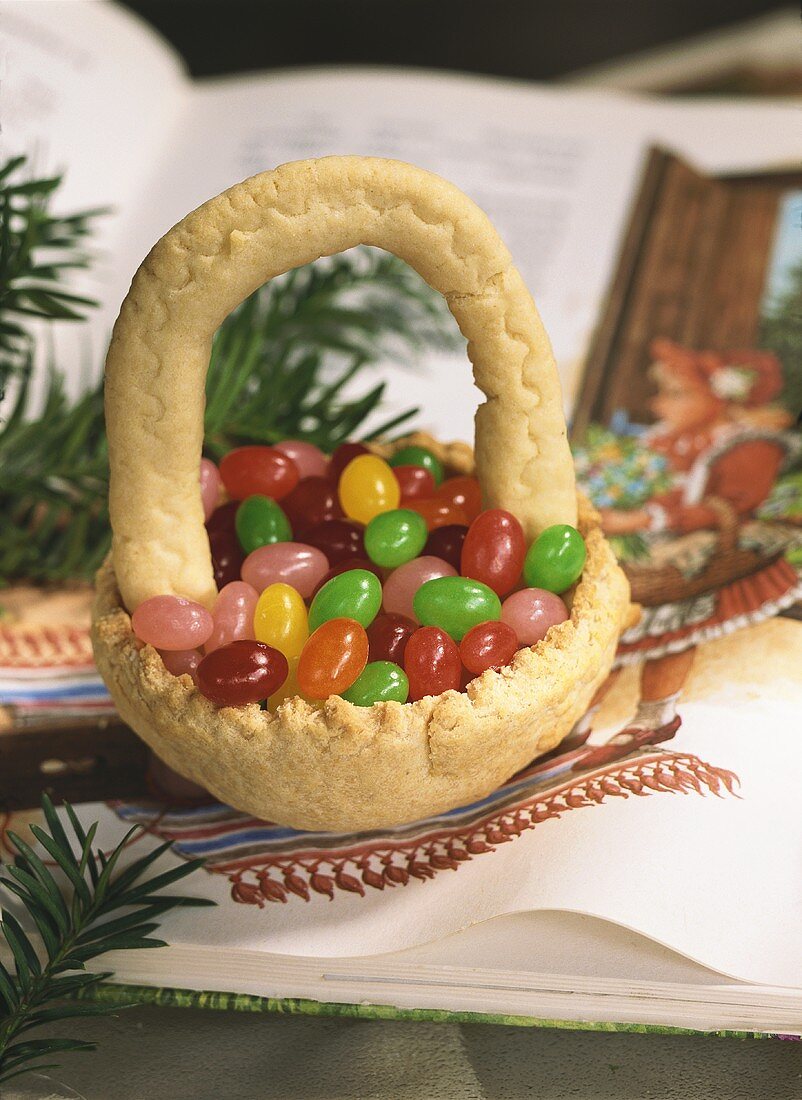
[357, 577]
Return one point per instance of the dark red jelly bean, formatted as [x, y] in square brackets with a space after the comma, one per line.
[446, 543]
[416, 482]
[494, 550]
[344, 566]
[344, 454]
[488, 645]
[388, 636]
[313, 500]
[339, 539]
[227, 555]
[258, 471]
[431, 662]
[241, 672]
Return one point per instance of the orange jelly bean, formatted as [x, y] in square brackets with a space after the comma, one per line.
[333, 658]
[437, 512]
[464, 492]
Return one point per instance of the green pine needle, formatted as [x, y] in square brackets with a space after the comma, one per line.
[73, 927]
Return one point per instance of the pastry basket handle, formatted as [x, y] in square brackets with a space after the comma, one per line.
[215, 257]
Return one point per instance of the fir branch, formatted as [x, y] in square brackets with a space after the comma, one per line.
[285, 364]
[73, 929]
[37, 249]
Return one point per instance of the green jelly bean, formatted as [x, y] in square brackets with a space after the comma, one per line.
[393, 538]
[261, 522]
[419, 456]
[380, 682]
[555, 559]
[455, 604]
[355, 594]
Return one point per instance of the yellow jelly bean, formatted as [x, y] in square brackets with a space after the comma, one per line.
[281, 620]
[288, 690]
[367, 488]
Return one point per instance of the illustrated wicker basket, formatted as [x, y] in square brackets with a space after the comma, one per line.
[653, 586]
[332, 765]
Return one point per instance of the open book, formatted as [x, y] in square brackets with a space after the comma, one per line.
[625, 880]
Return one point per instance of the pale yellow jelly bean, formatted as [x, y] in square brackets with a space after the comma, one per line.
[367, 488]
[281, 620]
[288, 690]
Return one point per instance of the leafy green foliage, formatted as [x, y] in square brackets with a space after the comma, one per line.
[101, 910]
[284, 364]
[781, 332]
[37, 249]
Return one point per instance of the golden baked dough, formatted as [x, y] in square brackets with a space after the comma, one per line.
[332, 765]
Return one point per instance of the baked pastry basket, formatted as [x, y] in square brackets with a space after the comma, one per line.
[333, 765]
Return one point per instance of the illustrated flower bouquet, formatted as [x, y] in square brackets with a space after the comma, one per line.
[617, 471]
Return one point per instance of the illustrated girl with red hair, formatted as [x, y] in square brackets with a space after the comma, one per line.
[712, 566]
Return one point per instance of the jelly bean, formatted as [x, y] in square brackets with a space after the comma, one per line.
[379, 682]
[355, 594]
[309, 460]
[393, 538]
[288, 690]
[210, 483]
[170, 622]
[446, 543]
[402, 584]
[344, 454]
[556, 558]
[368, 487]
[287, 562]
[455, 604]
[464, 492]
[344, 566]
[241, 672]
[227, 555]
[280, 620]
[488, 645]
[181, 662]
[261, 522]
[419, 456]
[313, 500]
[333, 658]
[258, 471]
[233, 614]
[339, 539]
[388, 636]
[415, 482]
[494, 550]
[432, 663]
[438, 513]
[531, 613]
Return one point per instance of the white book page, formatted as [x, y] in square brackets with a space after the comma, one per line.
[90, 91]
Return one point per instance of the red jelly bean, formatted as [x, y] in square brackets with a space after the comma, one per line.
[488, 645]
[339, 539]
[438, 513]
[227, 554]
[333, 658]
[241, 672]
[388, 636]
[344, 566]
[494, 550]
[446, 543]
[464, 492]
[415, 482]
[432, 663]
[258, 471]
[313, 500]
[344, 454]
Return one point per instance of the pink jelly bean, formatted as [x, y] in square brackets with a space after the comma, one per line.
[180, 661]
[309, 459]
[233, 613]
[292, 563]
[210, 483]
[402, 584]
[531, 612]
[170, 622]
